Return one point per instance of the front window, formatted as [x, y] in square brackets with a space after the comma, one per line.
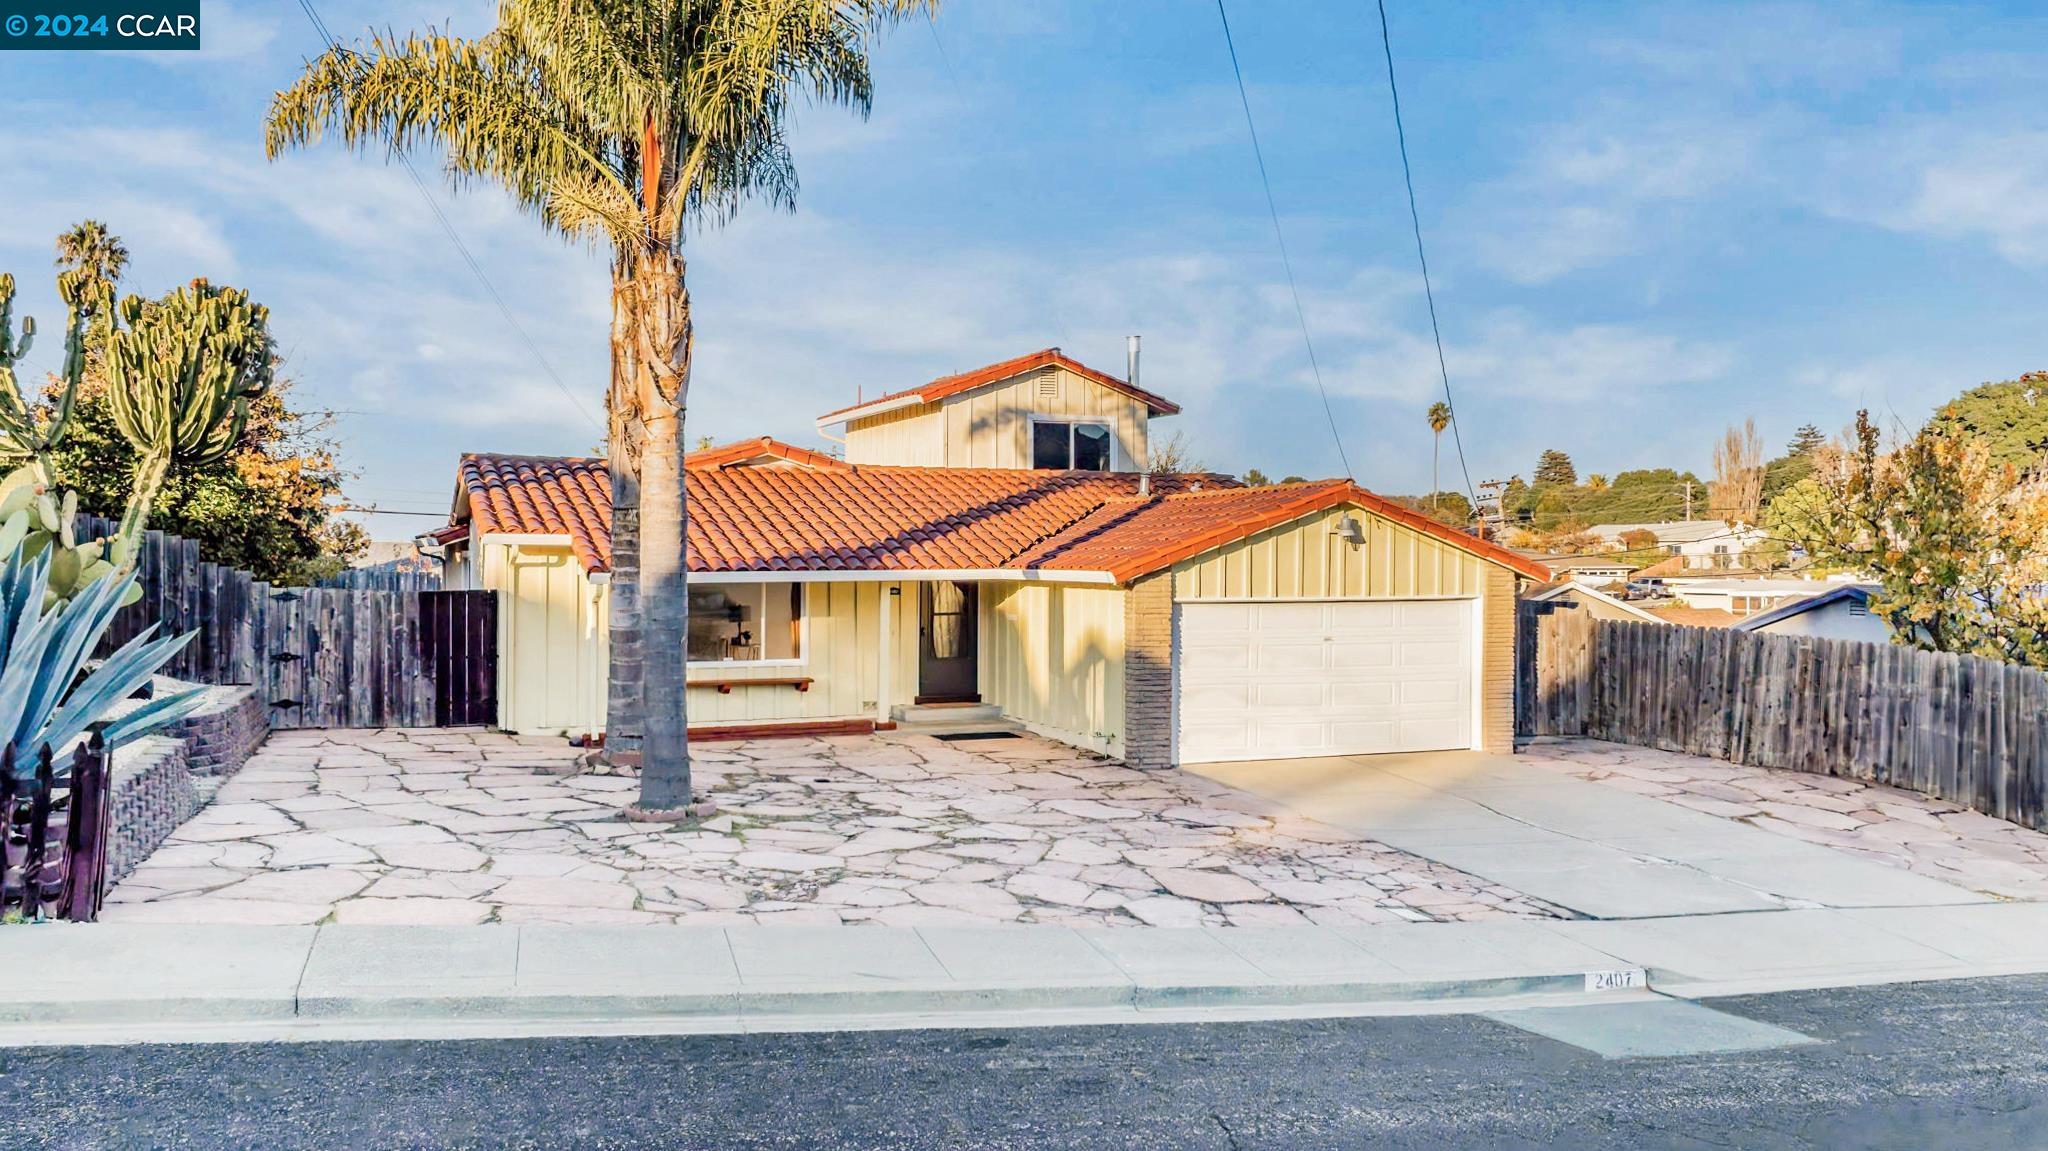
[1064, 445]
[745, 622]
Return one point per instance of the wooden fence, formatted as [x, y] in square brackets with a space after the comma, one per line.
[385, 577]
[318, 657]
[1969, 730]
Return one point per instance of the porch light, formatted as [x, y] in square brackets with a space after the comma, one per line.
[1350, 530]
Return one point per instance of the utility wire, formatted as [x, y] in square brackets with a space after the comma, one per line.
[1279, 237]
[468, 258]
[1429, 294]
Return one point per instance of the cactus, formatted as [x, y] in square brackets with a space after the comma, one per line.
[182, 371]
[21, 433]
[40, 520]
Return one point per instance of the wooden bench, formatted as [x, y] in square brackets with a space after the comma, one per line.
[725, 686]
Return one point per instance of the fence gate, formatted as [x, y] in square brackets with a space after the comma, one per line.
[459, 648]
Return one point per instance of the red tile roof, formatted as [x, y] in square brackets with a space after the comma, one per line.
[543, 495]
[1130, 537]
[876, 518]
[953, 385]
[745, 452]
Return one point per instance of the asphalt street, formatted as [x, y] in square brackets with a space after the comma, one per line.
[1961, 1064]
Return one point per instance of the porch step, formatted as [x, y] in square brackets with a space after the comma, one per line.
[951, 719]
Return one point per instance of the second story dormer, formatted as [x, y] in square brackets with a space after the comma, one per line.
[1044, 410]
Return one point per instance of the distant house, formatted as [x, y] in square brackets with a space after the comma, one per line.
[1698, 544]
[1742, 598]
[1595, 570]
[1843, 612]
[1591, 600]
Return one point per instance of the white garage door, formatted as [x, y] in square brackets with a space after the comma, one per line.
[1323, 677]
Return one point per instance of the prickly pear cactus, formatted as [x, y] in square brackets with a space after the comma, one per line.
[36, 518]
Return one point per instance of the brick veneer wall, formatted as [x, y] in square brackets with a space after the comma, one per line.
[1497, 662]
[162, 779]
[1148, 672]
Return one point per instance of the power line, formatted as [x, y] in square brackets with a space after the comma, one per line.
[468, 258]
[1415, 218]
[1273, 209]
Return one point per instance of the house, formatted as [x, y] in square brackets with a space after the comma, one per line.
[1707, 544]
[1163, 619]
[1842, 612]
[1595, 570]
[1741, 597]
[1591, 600]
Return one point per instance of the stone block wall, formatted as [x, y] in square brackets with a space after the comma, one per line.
[1148, 672]
[162, 779]
[1497, 670]
[223, 733]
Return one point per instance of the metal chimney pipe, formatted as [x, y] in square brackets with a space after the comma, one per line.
[1131, 360]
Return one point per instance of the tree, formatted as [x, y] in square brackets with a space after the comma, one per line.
[2011, 417]
[1957, 540]
[1451, 508]
[1439, 419]
[1173, 456]
[1596, 482]
[617, 122]
[1736, 495]
[1806, 441]
[268, 507]
[1255, 478]
[1554, 468]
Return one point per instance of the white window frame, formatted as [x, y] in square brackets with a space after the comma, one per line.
[803, 634]
[1072, 422]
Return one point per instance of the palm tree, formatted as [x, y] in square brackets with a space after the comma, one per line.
[1439, 419]
[616, 122]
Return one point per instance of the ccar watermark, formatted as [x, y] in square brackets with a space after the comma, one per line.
[93, 25]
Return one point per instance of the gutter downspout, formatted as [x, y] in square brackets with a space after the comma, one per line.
[600, 592]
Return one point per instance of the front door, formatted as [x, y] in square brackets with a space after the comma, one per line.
[945, 645]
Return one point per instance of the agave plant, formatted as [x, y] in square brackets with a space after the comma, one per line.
[44, 697]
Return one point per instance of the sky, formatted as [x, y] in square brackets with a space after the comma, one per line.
[1644, 222]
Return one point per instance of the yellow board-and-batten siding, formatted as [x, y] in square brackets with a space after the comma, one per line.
[552, 642]
[1308, 559]
[990, 427]
[553, 648]
[1052, 657]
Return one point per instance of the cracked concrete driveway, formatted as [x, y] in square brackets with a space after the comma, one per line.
[435, 827]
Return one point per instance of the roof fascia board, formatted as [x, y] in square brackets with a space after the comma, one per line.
[888, 575]
[878, 408]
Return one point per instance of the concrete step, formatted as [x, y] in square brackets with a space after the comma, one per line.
[946, 713]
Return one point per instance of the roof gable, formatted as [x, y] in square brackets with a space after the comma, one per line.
[761, 451]
[953, 385]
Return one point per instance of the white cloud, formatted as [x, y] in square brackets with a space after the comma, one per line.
[1950, 180]
[1591, 193]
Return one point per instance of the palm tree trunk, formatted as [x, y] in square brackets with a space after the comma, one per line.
[625, 710]
[662, 312]
[1436, 455]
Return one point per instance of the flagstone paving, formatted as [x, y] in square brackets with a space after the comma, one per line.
[436, 826]
[1904, 829]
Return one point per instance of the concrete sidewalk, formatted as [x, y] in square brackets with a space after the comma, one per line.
[1599, 851]
[113, 983]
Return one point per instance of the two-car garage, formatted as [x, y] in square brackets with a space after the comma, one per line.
[1279, 679]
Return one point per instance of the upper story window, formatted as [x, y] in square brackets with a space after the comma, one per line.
[746, 622]
[1070, 444]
